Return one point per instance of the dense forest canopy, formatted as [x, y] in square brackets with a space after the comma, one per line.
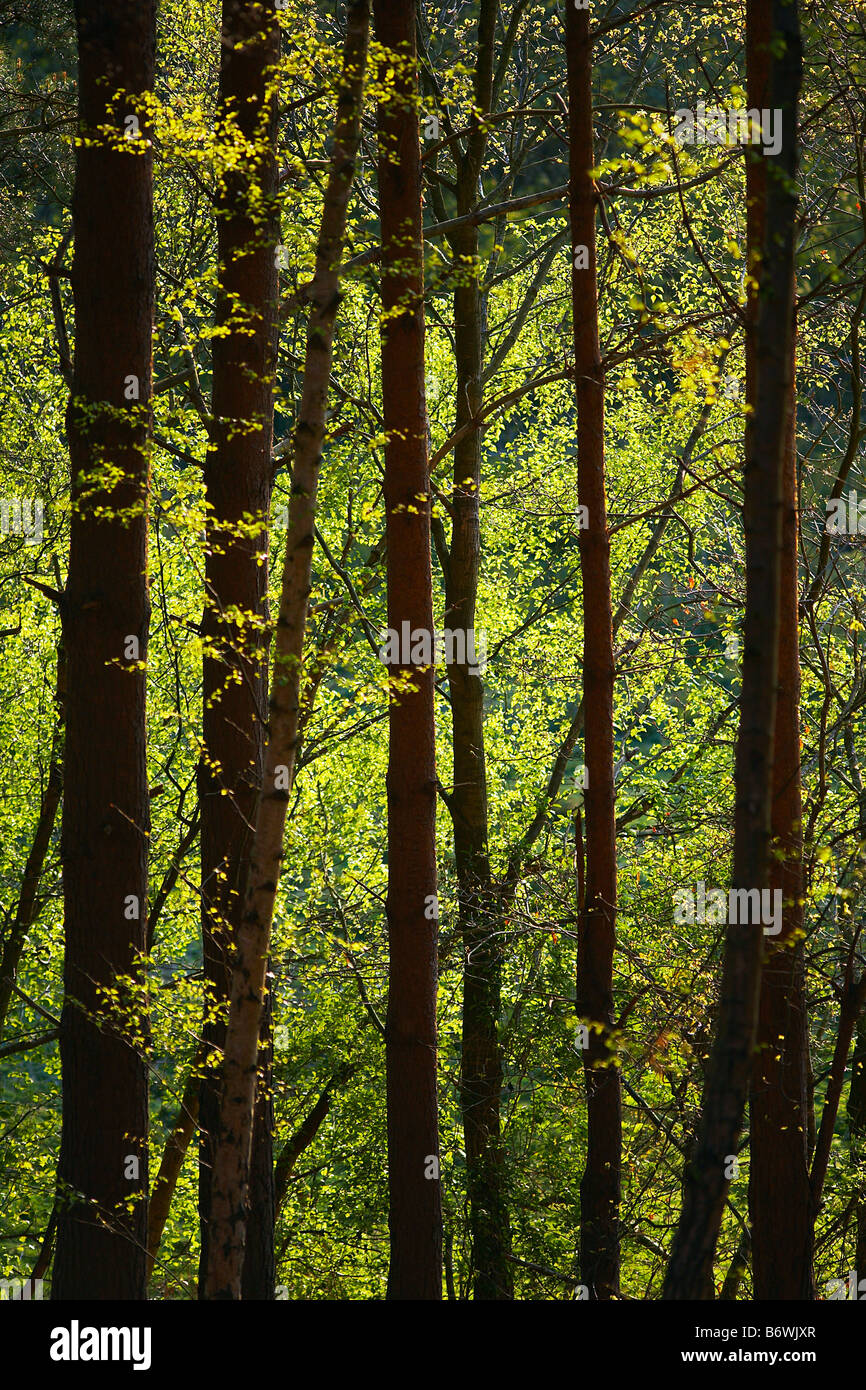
[433, 671]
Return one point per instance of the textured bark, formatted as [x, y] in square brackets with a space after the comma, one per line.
[27, 907]
[479, 904]
[101, 1242]
[779, 1208]
[601, 1184]
[231, 1172]
[234, 672]
[689, 1274]
[414, 1207]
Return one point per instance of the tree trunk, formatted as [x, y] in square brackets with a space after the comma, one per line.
[601, 1184]
[778, 1143]
[853, 998]
[306, 1133]
[479, 904]
[234, 672]
[28, 905]
[231, 1170]
[415, 1209]
[779, 1157]
[101, 1234]
[173, 1156]
[689, 1274]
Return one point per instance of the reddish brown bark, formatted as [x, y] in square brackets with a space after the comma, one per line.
[414, 1210]
[781, 1227]
[234, 673]
[689, 1274]
[601, 1184]
[779, 1159]
[231, 1170]
[479, 903]
[101, 1240]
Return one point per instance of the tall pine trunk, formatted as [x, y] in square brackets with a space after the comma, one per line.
[415, 1209]
[779, 1206]
[601, 1184]
[238, 482]
[479, 904]
[102, 1234]
[689, 1274]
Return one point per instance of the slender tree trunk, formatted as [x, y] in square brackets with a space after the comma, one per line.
[479, 903]
[853, 1001]
[689, 1274]
[857, 1091]
[781, 1227]
[601, 1184]
[173, 1157]
[238, 482]
[737, 1269]
[101, 1233]
[27, 907]
[306, 1133]
[779, 1157]
[231, 1171]
[415, 1208]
